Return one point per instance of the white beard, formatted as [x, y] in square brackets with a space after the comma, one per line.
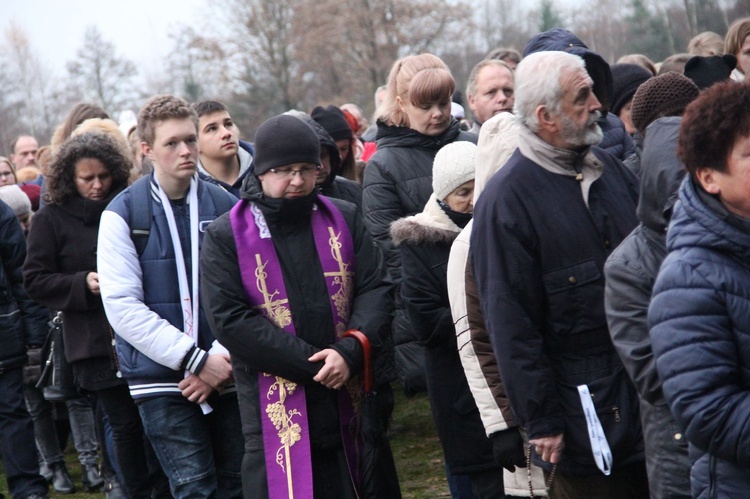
[588, 135]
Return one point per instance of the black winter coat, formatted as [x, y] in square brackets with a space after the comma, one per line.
[345, 190]
[424, 290]
[335, 186]
[22, 321]
[537, 254]
[255, 344]
[397, 183]
[630, 273]
[61, 252]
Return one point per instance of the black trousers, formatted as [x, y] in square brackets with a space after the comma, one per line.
[139, 467]
[17, 438]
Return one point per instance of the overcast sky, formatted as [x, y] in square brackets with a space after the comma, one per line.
[138, 28]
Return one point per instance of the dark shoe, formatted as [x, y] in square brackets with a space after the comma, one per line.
[46, 472]
[91, 479]
[61, 480]
[113, 490]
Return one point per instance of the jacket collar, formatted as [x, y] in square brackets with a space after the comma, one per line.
[582, 165]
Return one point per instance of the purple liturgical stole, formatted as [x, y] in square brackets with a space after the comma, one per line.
[283, 408]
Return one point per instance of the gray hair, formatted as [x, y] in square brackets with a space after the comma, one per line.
[538, 83]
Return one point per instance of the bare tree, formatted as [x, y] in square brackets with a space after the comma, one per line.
[100, 75]
[198, 66]
[503, 23]
[30, 102]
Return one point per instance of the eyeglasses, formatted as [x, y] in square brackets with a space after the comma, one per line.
[6, 174]
[307, 172]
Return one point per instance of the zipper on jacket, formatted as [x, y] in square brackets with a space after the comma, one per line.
[712, 477]
[52, 356]
[616, 410]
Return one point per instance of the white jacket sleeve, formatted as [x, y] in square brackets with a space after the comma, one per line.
[120, 281]
[489, 411]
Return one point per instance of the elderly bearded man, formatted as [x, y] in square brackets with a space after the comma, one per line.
[542, 233]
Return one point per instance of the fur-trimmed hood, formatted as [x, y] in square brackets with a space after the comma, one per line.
[430, 227]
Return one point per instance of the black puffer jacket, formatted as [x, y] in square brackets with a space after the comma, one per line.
[630, 273]
[397, 183]
[425, 242]
[22, 321]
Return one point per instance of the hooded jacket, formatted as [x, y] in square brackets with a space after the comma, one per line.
[630, 273]
[397, 183]
[498, 140]
[699, 322]
[424, 241]
[245, 153]
[616, 139]
[335, 186]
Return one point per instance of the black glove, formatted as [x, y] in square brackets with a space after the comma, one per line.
[507, 447]
[32, 370]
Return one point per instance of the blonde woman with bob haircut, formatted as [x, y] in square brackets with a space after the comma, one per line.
[737, 43]
[414, 122]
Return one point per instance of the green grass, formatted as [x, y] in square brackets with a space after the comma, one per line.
[416, 449]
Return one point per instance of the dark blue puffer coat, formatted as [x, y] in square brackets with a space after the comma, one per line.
[699, 322]
[23, 322]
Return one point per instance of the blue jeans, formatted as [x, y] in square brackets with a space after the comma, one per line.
[83, 430]
[200, 454]
[17, 439]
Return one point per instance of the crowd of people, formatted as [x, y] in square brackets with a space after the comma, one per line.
[564, 275]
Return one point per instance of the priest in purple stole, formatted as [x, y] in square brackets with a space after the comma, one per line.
[284, 275]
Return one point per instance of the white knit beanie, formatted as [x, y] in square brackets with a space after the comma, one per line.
[13, 196]
[454, 165]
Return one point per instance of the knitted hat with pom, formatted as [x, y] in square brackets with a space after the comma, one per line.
[454, 164]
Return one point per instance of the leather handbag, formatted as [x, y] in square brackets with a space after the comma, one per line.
[57, 374]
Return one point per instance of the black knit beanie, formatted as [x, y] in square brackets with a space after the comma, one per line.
[626, 79]
[664, 95]
[705, 71]
[284, 140]
[332, 119]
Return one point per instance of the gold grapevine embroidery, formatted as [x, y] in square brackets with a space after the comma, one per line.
[289, 432]
[277, 311]
[342, 278]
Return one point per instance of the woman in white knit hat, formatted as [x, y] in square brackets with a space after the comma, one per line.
[424, 241]
[13, 196]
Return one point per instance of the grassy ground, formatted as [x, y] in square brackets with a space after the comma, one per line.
[419, 458]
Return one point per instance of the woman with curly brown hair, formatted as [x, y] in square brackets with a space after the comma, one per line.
[60, 272]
